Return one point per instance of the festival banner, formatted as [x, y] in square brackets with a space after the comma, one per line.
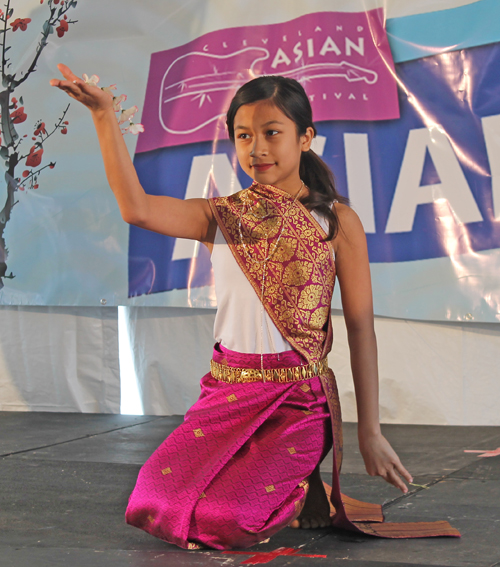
[408, 117]
[419, 168]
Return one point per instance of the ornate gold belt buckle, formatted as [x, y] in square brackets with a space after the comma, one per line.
[249, 374]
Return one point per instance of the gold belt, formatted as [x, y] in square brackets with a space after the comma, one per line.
[294, 374]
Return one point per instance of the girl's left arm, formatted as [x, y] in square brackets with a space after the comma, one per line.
[353, 272]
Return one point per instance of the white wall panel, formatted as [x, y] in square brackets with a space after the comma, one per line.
[59, 359]
[66, 359]
[172, 348]
[430, 373]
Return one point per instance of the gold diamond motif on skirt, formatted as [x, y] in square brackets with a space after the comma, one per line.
[306, 412]
[305, 387]
[198, 433]
[291, 450]
[168, 470]
[151, 519]
[232, 398]
[270, 488]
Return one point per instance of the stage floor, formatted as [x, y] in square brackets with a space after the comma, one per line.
[65, 480]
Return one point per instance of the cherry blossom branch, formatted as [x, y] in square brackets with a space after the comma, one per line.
[4, 39]
[33, 175]
[48, 29]
[11, 115]
[57, 126]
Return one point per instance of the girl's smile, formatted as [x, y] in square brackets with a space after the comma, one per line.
[260, 167]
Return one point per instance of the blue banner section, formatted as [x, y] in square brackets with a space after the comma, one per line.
[431, 182]
[165, 172]
[413, 37]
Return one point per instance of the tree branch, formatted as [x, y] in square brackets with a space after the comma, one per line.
[4, 39]
[49, 24]
[34, 174]
[56, 127]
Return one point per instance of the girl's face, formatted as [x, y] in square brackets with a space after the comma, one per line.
[268, 147]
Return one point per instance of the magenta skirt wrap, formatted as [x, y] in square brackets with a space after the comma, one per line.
[233, 474]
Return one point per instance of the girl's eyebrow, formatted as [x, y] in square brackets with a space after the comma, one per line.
[272, 122]
[241, 127]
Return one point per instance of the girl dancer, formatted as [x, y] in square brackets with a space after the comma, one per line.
[245, 462]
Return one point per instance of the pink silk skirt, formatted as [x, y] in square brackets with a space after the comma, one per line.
[233, 474]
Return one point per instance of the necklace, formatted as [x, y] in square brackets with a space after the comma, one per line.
[268, 255]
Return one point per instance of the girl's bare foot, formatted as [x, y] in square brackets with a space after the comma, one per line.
[316, 511]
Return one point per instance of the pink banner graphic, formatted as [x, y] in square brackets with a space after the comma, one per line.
[342, 59]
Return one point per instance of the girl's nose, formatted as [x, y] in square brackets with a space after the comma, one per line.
[258, 149]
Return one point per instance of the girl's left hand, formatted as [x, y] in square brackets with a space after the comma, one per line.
[381, 460]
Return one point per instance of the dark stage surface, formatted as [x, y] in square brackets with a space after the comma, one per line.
[65, 480]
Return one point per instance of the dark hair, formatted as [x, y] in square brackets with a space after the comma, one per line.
[289, 96]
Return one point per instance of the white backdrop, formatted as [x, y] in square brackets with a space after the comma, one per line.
[66, 359]
[59, 359]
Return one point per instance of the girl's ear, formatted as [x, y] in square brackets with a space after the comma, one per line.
[306, 139]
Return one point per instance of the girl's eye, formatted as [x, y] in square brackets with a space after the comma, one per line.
[243, 136]
[272, 132]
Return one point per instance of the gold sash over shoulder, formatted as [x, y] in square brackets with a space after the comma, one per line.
[300, 273]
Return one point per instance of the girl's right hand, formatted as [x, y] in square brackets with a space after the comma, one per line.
[94, 98]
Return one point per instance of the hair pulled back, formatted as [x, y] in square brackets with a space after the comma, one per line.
[289, 96]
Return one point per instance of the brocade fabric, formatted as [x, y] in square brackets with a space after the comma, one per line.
[235, 472]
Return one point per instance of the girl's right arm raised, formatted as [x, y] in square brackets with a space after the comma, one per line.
[191, 218]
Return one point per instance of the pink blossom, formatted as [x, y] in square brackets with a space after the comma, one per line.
[92, 81]
[35, 157]
[40, 129]
[20, 23]
[62, 28]
[134, 128]
[117, 100]
[128, 114]
[109, 89]
[19, 116]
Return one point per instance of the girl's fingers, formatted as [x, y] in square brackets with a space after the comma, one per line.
[67, 73]
[403, 472]
[72, 83]
[394, 479]
[68, 87]
[77, 88]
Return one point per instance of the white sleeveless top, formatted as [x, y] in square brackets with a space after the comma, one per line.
[240, 323]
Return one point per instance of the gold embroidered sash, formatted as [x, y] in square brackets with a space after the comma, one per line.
[299, 275]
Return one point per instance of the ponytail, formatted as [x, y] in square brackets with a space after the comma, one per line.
[318, 177]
